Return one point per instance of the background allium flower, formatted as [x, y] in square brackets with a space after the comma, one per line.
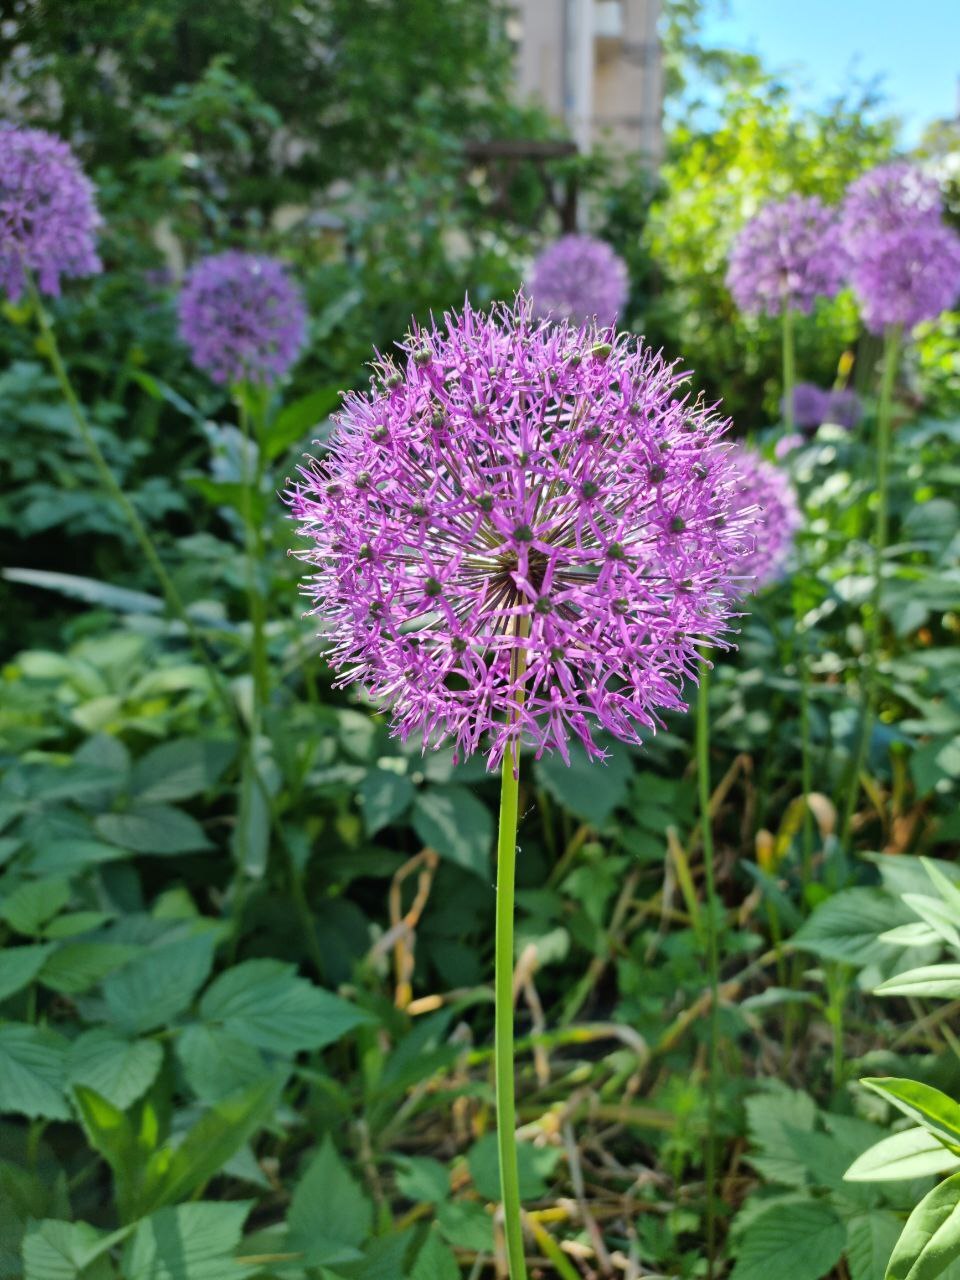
[48, 218]
[578, 278]
[524, 531]
[242, 317]
[787, 444]
[788, 255]
[905, 277]
[809, 405]
[766, 488]
[890, 198]
[844, 408]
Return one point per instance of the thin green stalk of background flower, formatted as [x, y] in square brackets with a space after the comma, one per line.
[712, 949]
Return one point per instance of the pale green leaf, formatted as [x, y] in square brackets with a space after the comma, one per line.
[870, 1240]
[914, 1153]
[453, 821]
[157, 829]
[921, 1103]
[119, 1070]
[189, 1242]
[931, 1238]
[940, 981]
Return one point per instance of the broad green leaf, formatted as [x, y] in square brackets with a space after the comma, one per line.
[174, 1174]
[771, 1116]
[329, 1215]
[870, 1240]
[264, 1003]
[452, 821]
[947, 888]
[72, 923]
[179, 769]
[119, 1070]
[110, 1131]
[216, 1064]
[189, 1242]
[28, 907]
[383, 796]
[941, 981]
[803, 1240]
[936, 914]
[914, 1153]
[435, 1261]
[158, 829]
[421, 1178]
[56, 1250]
[921, 1103]
[32, 1072]
[160, 983]
[931, 1238]
[60, 857]
[75, 967]
[19, 966]
[482, 1160]
[846, 927]
[89, 590]
[296, 419]
[251, 837]
[466, 1225]
[589, 789]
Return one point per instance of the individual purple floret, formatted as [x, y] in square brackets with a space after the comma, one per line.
[524, 530]
[809, 405]
[242, 317]
[890, 198]
[578, 278]
[844, 407]
[908, 276]
[787, 256]
[48, 218]
[763, 486]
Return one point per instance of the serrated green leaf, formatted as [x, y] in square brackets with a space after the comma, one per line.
[27, 908]
[75, 967]
[160, 983]
[329, 1217]
[769, 1114]
[264, 1003]
[179, 769]
[56, 1250]
[435, 1261]
[846, 927]
[216, 1064]
[422, 1179]
[931, 1238]
[158, 829]
[922, 1104]
[589, 789]
[119, 1070]
[870, 1241]
[19, 966]
[803, 1241]
[383, 797]
[452, 821]
[483, 1162]
[189, 1242]
[32, 1072]
[914, 1153]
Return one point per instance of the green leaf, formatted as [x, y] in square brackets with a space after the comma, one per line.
[190, 1242]
[28, 908]
[77, 966]
[921, 1103]
[160, 983]
[329, 1214]
[422, 1179]
[803, 1240]
[157, 828]
[58, 857]
[435, 1261]
[110, 1132]
[771, 1117]
[936, 914]
[119, 1070]
[180, 769]
[931, 1238]
[590, 790]
[847, 925]
[19, 966]
[56, 1250]
[32, 1072]
[870, 1241]
[452, 821]
[178, 1173]
[466, 1225]
[216, 1064]
[941, 981]
[482, 1160]
[263, 1003]
[914, 1153]
[89, 590]
[296, 419]
[383, 796]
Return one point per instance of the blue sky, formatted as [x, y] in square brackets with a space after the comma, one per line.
[913, 46]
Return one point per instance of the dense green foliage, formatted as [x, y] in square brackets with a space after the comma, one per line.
[245, 1002]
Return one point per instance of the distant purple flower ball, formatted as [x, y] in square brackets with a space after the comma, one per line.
[844, 408]
[809, 405]
[523, 531]
[787, 256]
[766, 488]
[788, 444]
[889, 198]
[242, 317]
[908, 276]
[578, 278]
[48, 217]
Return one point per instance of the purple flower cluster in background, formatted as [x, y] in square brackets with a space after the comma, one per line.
[578, 278]
[889, 198]
[813, 405]
[242, 317]
[764, 487]
[524, 530]
[48, 217]
[787, 256]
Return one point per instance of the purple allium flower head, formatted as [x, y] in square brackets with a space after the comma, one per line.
[843, 408]
[767, 489]
[787, 256]
[890, 198]
[578, 278]
[787, 444]
[48, 218]
[809, 405]
[523, 531]
[907, 276]
[242, 317]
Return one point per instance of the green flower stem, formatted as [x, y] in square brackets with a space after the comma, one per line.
[789, 369]
[503, 997]
[712, 955]
[250, 409]
[872, 615]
